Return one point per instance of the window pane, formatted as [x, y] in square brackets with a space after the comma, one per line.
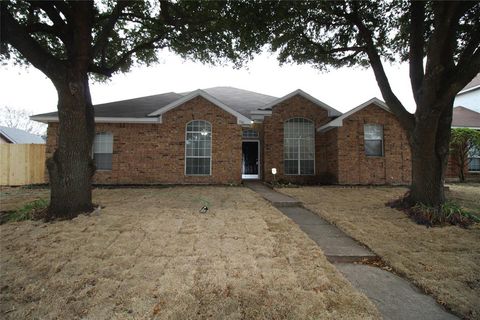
[198, 166]
[373, 148]
[373, 132]
[474, 164]
[291, 166]
[250, 133]
[103, 161]
[306, 167]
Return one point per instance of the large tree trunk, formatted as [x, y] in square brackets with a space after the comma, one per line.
[71, 168]
[430, 149]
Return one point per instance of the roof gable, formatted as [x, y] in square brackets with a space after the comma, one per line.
[472, 85]
[465, 118]
[241, 119]
[338, 122]
[331, 111]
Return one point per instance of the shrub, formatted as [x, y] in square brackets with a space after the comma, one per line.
[449, 213]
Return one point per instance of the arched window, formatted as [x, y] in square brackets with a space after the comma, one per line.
[299, 146]
[198, 148]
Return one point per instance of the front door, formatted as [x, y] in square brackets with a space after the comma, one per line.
[250, 159]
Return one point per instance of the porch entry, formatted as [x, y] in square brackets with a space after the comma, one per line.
[250, 159]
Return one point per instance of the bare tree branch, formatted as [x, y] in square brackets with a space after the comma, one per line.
[20, 119]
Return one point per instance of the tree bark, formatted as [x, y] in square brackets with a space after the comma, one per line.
[71, 168]
[430, 150]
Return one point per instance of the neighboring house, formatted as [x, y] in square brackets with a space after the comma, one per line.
[466, 115]
[466, 118]
[469, 97]
[223, 135]
[17, 136]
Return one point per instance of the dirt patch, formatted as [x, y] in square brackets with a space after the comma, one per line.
[150, 254]
[443, 261]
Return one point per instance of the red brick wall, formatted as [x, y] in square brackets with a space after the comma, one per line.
[296, 106]
[354, 167]
[329, 149]
[155, 153]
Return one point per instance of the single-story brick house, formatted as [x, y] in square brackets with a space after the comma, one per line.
[222, 135]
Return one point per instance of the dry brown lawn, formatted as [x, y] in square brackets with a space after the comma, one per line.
[444, 261]
[150, 254]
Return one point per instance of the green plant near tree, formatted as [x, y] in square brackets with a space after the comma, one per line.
[464, 143]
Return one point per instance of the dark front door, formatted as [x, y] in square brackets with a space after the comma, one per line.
[250, 160]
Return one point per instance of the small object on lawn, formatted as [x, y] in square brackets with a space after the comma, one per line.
[204, 209]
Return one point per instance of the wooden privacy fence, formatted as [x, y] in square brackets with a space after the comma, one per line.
[22, 164]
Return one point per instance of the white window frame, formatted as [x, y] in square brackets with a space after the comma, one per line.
[187, 157]
[298, 150]
[93, 149]
[382, 140]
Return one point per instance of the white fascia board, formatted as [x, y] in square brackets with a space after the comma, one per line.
[241, 119]
[331, 111]
[338, 122]
[458, 127]
[468, 90]
[47, 119]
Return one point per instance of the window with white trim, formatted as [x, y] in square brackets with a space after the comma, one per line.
[299, 146]
[474, 160]
[249, 133]
[103, 150]
[373, 138]
[198, 148]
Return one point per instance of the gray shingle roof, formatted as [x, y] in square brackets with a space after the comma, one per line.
[472, 84]
[242, 101]
[464, 117]
[131, 108]
[20, 136]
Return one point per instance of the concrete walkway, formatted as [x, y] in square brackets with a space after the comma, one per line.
[395, 297]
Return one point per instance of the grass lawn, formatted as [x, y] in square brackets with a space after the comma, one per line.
[150, 254]
[443, 261]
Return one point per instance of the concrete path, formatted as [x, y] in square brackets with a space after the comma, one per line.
[337, 246]
[276, 198]
[395, 297]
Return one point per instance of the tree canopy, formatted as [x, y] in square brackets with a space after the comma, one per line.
[123, 33]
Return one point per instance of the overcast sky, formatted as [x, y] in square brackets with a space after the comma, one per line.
[342, 89]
